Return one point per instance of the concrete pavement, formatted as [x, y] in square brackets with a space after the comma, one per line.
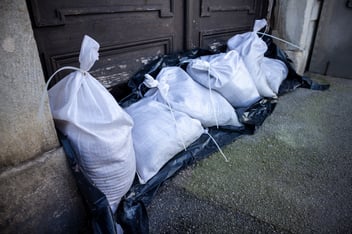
[294, 175]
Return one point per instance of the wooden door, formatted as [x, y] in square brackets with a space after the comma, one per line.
[133, 32]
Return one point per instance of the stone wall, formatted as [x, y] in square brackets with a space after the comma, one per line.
[295, 21]
[38, 192]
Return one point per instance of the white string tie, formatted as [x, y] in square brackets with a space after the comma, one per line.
[282, 40]
[217, 145]
[163, 87]
[205, 66]
[212, 100]
[44, 93]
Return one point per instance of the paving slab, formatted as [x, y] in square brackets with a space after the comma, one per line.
[294, 175]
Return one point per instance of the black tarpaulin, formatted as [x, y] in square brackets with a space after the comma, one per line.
[131, 213]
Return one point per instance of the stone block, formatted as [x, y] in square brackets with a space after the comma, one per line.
[23, 135]
[41, 196]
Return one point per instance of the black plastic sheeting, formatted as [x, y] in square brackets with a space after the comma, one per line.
[131, 213]
[100, 214]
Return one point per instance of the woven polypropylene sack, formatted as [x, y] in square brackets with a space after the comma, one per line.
[227, 74]
[252, 48]
[98, 128]
[275, 72]
[177, 89]
[159, 134]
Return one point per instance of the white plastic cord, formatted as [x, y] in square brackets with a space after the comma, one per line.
[212, 100]
[44, 94]
[265, 31]
[150, 82]
[212, 138]
[178, 133]
[282, 40]
[205, 66]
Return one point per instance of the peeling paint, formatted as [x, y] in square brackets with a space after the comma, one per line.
[109, 81]
[109, 68]
[144, 61]
[124, 74]
[115, 74]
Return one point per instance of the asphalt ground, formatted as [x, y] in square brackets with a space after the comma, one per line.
[294, 175]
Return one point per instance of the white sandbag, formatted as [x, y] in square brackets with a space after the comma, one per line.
[98, 128]
[252, 48]
[227, 74]
[275, 72]
[159, 134]
[177, 89]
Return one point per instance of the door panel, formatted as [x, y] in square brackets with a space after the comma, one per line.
[51, 13]
[130, 33]
[133, 32]
[210, 23]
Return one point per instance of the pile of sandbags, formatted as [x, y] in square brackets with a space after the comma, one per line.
[114, 143]
[266, 73]
[227, 74]
[171, 116]
[208, 91]
[242, 75]
[174, 87]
